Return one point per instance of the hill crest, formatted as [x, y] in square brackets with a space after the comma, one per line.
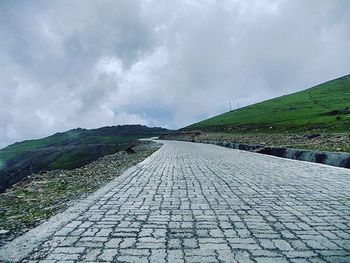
[322, 108]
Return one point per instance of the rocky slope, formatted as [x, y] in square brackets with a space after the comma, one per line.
[67, 150]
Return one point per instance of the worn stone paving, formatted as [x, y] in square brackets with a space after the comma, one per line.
[205, 203]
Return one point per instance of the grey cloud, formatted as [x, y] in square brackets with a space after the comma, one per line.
[163, 63]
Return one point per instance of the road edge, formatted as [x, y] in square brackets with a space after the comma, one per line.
[22, 246]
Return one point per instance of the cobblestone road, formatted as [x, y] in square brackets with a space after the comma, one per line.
[204, 203]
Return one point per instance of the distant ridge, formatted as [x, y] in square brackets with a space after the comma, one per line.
[68, 150]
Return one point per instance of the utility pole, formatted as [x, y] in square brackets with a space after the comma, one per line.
[230, 105]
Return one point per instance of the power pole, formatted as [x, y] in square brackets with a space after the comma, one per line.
[230, 105]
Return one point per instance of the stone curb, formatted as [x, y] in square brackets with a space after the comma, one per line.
[337, 159]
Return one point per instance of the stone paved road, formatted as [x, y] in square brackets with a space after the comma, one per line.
[204, 203]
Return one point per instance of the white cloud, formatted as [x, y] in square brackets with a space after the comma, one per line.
[71, 64]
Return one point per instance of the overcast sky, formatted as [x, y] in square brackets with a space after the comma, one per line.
[68, 64]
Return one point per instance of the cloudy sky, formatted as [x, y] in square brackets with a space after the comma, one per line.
[68, 64]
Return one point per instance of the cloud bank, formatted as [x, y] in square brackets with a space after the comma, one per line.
[68, 64]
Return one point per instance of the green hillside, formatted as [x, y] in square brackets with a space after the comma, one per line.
[68, 150]
[323, 108]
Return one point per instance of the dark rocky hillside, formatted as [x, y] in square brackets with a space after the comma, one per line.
[68, 150]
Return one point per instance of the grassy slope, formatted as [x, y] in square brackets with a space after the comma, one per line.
[323, 108]
[79, 138]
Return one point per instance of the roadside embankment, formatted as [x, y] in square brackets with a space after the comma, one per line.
[330, 158]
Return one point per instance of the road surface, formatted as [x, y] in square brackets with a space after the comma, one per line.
[193, 202]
